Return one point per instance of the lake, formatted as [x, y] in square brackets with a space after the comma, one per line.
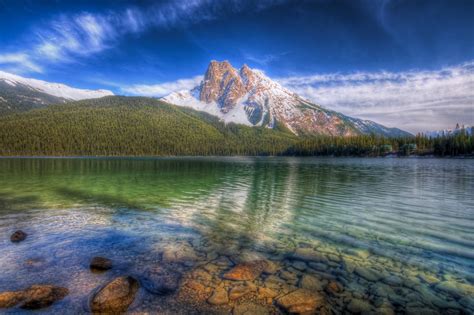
[323, 235]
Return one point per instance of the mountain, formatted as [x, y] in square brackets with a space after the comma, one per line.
[450, 132]
[21, 94]
[247, 96]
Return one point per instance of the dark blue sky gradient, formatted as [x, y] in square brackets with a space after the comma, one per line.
[281, 38]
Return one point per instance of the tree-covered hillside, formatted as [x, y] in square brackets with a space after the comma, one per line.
[131, 126]
[139, 126]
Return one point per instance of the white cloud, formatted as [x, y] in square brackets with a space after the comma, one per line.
[162, 89]
[412, 100]
[19, 62]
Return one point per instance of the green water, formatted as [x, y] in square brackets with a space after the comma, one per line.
[397, 234]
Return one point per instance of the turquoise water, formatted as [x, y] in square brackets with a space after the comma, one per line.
[397, 234]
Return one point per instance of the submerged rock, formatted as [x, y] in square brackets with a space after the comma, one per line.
[250, 309]
[247, 271]
[358, 306]
[34, 297]
[311, 283]
[240, 290]
[116, 296]
[301, 301]
[18, 236]
[219, 297]
[100, 264]
[368, 274]
[334, 287]
[161, 280]
[180, 252]
[10, 299]
[308, 254]
[266, 293]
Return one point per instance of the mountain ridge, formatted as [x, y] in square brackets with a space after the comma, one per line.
[247, 96]
[21, 94]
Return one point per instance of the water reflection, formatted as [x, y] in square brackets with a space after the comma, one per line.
[405, 218]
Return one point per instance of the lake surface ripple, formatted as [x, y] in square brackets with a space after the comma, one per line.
[378, 236]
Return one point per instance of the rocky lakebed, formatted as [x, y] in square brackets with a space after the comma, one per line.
[196, 276]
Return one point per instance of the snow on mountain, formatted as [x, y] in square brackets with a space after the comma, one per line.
[248, 96]
[448, 132]
[54, 89]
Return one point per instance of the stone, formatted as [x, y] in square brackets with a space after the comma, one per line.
[18, 236]
[358, 306]
[247, 271]
[40, 296]
[161, 281]
[34, 297]
[318, 266]
[287, 275]
[311, 283]
[116, 296]
[180, 252]
[10, 299]
[457, 289]
[250, 309]
[299, 265]
[239, 291]
[308, 254]
[271, 267]
[218, 297]
[196, 286]
[266, 293]
[393, 280]
[100, 264]
[334, 288]
[301, 301]
[368, 274]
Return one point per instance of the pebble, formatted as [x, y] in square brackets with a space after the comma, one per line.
[218, 297]
[18, 236]
[100, 264]
[301, 301]
[358, 306]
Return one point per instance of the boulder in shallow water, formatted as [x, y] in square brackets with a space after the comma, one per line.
[159, 280]
[247, 271]
[100, 264]
[18, 236]
[301, 301]
[116, 296]
[34, 297]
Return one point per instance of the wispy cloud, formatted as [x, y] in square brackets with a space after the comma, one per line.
[19, 62]
[412, 100]
[162, 89]
[69, 37]
[265, 59]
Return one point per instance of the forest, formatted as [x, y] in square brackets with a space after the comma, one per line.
[135, 126]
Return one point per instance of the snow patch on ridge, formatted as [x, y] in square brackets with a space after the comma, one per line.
[55, 89]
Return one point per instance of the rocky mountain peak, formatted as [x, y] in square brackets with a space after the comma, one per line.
[222, 84]
[248, 96]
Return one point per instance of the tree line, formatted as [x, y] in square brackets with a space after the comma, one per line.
[124, 126]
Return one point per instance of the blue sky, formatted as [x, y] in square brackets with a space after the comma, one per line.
[337, 53]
